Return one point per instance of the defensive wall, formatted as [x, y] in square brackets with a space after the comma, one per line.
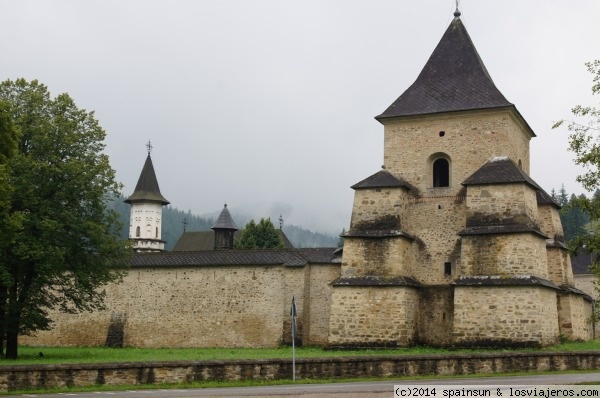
[18, 377]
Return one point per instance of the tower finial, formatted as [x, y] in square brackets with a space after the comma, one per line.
[457, 13]
[149, 147]
[184, 223]
[281, 221]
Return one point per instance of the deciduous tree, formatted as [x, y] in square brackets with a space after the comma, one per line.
[259, 236]
[63, 244]
[584, 142]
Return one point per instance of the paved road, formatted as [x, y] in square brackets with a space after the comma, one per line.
[345, 390]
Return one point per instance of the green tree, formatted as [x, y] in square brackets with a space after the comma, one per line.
[584, 142]
[259, 236]
[573, 218]
[62, 246]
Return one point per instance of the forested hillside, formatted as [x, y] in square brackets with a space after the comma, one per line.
[172, 226]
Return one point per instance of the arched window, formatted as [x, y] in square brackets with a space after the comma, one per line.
[441, 173]
[137, 232]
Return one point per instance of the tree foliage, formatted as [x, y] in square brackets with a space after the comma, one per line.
[574, 220]
[259, 236]
[59, 244]
[584, 142]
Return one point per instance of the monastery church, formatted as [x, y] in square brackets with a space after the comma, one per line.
[450, 243]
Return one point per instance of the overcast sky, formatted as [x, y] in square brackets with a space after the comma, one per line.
[269, 104]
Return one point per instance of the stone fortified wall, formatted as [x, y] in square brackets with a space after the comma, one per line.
[209, 306]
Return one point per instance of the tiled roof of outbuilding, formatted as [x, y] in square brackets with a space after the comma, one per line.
[290, 257]
[147, 188]
[453, 79]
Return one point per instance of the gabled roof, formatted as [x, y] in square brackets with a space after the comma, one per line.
[382, 179]
[500, 170]
[454, 79]
[205, 240]
[147, 186]
[224, 221]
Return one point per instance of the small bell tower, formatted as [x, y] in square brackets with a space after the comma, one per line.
[224, 229]
[146, 202]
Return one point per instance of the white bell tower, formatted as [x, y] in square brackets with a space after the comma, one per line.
[145, 228]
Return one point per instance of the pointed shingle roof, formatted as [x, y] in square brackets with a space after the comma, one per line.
[500, 170]
[454, 79]
[224, 221]
[147, 186]
[382, 179]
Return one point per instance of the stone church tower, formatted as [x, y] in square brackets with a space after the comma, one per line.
[145, 228]
[452, 242]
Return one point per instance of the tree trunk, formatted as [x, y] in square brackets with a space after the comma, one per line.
[2, 318]
[12, 341]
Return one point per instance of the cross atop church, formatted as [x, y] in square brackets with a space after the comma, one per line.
[457, 13]
[149, 147]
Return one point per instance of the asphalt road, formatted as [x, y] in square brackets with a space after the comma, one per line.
[345, 390]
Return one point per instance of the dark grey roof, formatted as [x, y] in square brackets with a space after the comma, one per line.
[205, 240]
[500, 170]
[289, 257]
[147, 186]
[500, 229]
[373, 280]
[501, 280]
[378, 233]
[195, 241]
[224, 221]
[453, 79]
[382, 179]
[544, 199]
[581, 263]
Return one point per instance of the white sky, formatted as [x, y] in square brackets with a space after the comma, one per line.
[269, 105]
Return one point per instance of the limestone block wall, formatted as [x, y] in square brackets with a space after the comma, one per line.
[469, 140]
[587, 283]
[502, 204]
[505, 315]
[560, 270]
[368, 315]
[574, 317]
[371, 204]
[504, 254]
[436, 313]
[293, 279]
[436, 221]
[549, 222]
[209, 306]
[317, 302]
[377, 256]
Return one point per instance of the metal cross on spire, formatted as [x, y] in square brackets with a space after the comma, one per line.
[149, 147]
[457, 13]
[281, 221]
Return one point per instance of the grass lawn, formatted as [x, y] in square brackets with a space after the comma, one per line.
[57, 355]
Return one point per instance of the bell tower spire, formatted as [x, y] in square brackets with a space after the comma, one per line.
[145, 222]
